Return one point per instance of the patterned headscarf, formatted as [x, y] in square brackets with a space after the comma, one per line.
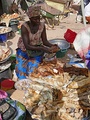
[33, 11]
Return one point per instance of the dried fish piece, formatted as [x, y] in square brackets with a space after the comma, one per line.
[3, 30]
[4, 52]
[80, 83]
[66, 116]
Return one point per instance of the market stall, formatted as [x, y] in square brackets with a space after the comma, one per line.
[5, 53]
[56, 90]
[11, 20]
[5, 63]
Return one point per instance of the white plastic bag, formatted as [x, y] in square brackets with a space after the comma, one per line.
[82, 42]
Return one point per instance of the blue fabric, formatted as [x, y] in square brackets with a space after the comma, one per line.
[25, 65]
[87, 61]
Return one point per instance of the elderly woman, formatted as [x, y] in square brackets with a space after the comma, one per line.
[32, 44]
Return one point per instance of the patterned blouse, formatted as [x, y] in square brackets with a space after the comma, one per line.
[35, 39]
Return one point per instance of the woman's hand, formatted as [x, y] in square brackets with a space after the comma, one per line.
[55, 45]
[54, 49]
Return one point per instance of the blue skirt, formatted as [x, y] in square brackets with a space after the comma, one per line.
[24, 64]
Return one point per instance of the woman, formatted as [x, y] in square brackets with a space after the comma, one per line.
[32, 44]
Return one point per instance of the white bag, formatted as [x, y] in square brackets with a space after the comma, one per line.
[82, 42]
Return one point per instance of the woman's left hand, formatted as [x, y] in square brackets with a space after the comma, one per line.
[55, 48]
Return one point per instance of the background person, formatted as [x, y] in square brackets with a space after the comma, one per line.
[79, 14]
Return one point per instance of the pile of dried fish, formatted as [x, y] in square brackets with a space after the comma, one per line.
[66, 97]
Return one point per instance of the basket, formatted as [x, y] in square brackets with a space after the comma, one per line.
[63, 44]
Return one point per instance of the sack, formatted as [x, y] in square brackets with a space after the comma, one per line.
[70, 36]
[7, 111]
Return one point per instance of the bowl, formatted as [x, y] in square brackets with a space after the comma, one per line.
[63, 45]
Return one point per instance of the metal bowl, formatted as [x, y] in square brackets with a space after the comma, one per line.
[9, 29]
[63, 44]
[5, 66]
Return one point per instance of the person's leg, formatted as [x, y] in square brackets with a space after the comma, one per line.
[33, 63]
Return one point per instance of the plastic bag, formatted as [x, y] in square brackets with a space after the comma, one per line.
[7, 111]
[11, 109]
[3, 94]
[82, 42]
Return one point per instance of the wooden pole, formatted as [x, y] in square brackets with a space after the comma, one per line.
[83, 13]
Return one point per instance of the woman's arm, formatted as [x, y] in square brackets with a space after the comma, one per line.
[44, 38]
[53, 47]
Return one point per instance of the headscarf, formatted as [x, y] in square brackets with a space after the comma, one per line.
[33, 11]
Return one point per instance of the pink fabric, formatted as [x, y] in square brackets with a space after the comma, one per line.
[35, 39]
[0, 117]
[3, 94]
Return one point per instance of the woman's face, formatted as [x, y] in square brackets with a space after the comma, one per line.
[35, 20]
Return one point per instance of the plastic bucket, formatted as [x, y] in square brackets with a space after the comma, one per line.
[61, 53]
[7, 84]
[14, 24]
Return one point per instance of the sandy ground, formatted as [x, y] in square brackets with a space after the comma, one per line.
[57, 32]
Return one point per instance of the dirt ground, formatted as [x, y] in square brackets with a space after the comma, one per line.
[57, 32]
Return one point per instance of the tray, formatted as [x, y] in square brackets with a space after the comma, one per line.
[4, 66]
[8, 29]
[7, 57]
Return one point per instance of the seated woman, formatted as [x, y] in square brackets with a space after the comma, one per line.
[32, 44]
